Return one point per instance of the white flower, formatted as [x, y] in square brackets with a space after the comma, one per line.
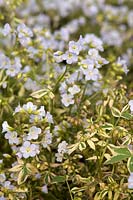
[74, 90]
[30, 107]
[24, 41]
[64, 32]
[3, 198]
[26, 69]
[5, 127]
[56, 130]
[2, 2]
[44, 189]
[59, 157]
[6, 30]
[76, 76]
[49, 118]
[2, 177]
[63, 87]
[112, 37]
[131, 105]
[67, 99]
[34, 118]
[1, 161]
[12, 137]
[70, 57]
[4, 61]
[94, 41]
[58, 56]
[86, 62]
[82, 42]
[17, 109]
[47, 139]
[14, 69]
[130, 18]
[62, 147]
[31, 85]
[32, 51]
[93, 53]
[29, 150]
[24, 31]
[75, 47]
[24, 34]
[123, 64]
[4, 84]
[42, 112]
[33, 133]
[130, 181]
[91, 73]
[19, 154]
[8, 185]
[14, 148]
[96, 58]
[38, 176]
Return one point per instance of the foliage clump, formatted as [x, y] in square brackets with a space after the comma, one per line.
[66, 100]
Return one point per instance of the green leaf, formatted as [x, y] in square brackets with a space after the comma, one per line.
[116, 195]
[127, 115]
[59, 179]
[16, 168]
[40, 93]
[126, 107]
[130, 164]
[102, 143]
[72, 148]
[47, 178]
[32, 169]
[103, 193]
[115, 112]
[91, 144]
[107, 126]
[109, 194]
[51, 95]
[97, 196]
[77, 189]
[92, 158]
[116, 159]
[122, 150]
[22, 177]
[82, 146]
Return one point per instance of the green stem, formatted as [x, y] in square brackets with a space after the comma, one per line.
[69, 190]
[58, 81]
[117, 121]
[100, 160]
[113, 169]
[94, 95]
[30, 193]
[82, 97]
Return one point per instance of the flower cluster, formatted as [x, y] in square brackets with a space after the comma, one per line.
[66, 99]
[88, 66]
[23, 143]
[62, 149]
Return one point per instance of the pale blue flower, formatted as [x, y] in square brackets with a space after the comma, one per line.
[7, 29]
[67, 99]
[70, 57]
